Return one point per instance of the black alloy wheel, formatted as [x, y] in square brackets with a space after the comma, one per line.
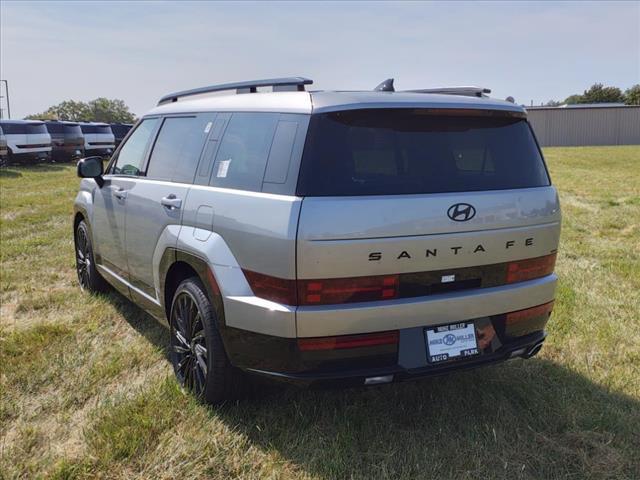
[188, 343]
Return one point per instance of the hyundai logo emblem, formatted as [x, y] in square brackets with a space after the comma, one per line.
[461, 212]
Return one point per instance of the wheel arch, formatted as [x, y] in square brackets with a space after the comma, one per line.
[176, 266]
[79, 216]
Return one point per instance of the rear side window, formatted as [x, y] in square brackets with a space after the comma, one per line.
[120, 130]
[132, 154]
[19, 128]
[177, 150]
[243, 152]
[393, 151]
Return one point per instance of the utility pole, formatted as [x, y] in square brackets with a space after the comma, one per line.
[6, 89]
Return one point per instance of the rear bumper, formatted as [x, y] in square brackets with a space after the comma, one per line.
[500, 336]
[67, 152]
[31, 155]
[103, 152]
[524, 347]
[440, 309]
[283, 359]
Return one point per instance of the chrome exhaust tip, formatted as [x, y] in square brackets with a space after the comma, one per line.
[533, 351]
[378, 380]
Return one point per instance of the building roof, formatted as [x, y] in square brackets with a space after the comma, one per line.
[580, 105]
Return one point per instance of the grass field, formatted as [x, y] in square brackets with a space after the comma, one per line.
[86, 389]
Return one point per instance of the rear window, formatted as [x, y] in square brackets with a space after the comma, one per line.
[55, 127]
[17, 128]
[96, 129]
[73, 130]
[64, 128]
[393, 151]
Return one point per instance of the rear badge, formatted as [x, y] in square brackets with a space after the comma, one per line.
[461, 212]
[448, 278]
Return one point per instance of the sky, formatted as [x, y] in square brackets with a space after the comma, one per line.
[138, 51]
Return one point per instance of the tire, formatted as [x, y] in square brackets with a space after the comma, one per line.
[88, 276]
[197, 352]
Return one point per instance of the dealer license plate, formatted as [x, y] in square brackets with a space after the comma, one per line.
[450, 342]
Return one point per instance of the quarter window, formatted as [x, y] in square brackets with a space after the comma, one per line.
[131, 155]
[242, 156]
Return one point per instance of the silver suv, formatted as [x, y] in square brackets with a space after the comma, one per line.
[98, 139]
[351, 237]
[27, 141]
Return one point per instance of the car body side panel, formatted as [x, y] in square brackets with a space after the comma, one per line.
[236, 230]
[260, 228]
[146, 221]
[242, 309]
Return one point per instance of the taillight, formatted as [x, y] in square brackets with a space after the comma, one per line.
[323, 292]
[272, 288]
[346, 290]
[529, 313]
[530, 268]
[348, 341]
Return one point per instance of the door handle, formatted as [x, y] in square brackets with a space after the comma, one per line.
[171, 202]
[120, 193]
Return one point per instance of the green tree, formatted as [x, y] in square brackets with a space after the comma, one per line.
[110, 111]
[598, 93]
[98, 110]
[552, 103]
[573, 99]
[632, 95]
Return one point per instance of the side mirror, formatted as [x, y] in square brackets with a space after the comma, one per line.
[91, 167]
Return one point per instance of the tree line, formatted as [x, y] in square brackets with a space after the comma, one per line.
[116, 111]
[99, 110]
[598, 93]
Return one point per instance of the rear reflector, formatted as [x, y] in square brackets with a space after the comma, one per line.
[348, 341]
[528, 313]
[531, 268]
[346, 290]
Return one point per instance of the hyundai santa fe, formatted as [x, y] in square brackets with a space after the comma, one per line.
[359, 237]
[67, 140]
[27, 141]
[98, 139]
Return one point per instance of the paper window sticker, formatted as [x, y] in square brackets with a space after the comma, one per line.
[207, 128]
[223, 168]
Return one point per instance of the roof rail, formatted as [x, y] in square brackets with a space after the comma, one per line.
[470, 91]
[278, 84]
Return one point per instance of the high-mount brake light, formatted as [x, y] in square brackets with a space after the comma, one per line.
[349, 341]
[530, 268]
